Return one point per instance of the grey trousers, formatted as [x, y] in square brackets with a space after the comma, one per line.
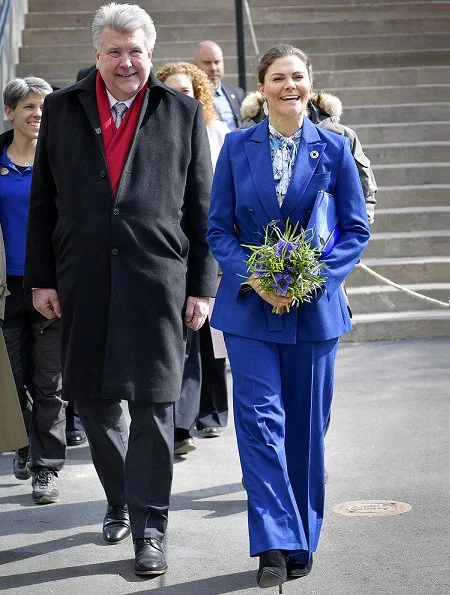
[138, 469]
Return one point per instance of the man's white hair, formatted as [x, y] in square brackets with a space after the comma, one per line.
[124, 18]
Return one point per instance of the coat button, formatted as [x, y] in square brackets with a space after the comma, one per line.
[102, 173]
[251, 211]
[116, 211]
[114, 252]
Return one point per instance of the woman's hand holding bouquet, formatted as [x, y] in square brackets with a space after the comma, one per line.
[285, 269]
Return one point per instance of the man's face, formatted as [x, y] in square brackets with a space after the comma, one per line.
[210, 60]
[124, 62]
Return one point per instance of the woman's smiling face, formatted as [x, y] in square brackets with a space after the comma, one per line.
[287, 88]
[26, 117]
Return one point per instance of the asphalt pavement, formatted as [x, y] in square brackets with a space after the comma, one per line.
[387, 444]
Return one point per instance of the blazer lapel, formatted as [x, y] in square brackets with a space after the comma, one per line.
[258, 154]
[308, 157]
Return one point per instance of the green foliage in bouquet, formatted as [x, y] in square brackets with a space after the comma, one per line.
[287, 264]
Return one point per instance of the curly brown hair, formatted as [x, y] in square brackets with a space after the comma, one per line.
[200, 83]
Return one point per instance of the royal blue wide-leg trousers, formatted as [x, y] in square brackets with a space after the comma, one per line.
[282, 399]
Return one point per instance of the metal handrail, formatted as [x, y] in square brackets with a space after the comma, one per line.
[5, 13]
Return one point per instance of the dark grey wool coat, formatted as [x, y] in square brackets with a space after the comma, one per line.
[122, 267]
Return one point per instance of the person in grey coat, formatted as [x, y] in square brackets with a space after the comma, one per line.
[116, 247]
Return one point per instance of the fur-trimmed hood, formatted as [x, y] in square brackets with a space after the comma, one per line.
[329, 104]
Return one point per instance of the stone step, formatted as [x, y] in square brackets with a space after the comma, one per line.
[227, 31]
[376, 95]
[391, 153]
[406, 112]
[336, 80]
[90, 5]
[411, 196]
[260, 15]
[374, 299]
[319, 61]
[407, 132]
[311, 45]
[410, 174]
[408, 243]
[333, 81]
[411, 218]
[391, 326]
[417, 269]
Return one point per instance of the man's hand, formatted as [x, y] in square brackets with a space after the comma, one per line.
[197, 309]
[47, 303]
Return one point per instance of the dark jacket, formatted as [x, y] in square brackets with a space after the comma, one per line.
[122, 267]
[84, 72]
[325, 111]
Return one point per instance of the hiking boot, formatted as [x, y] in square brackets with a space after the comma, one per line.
[21, 463]
[44, 487]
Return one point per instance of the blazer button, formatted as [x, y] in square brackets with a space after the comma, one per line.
[102, 173]
[251, 211]
[116, 211]
[114, 252]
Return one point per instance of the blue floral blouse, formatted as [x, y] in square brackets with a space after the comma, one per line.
[283, 150]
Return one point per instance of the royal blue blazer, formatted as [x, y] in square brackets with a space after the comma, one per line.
[244, 201]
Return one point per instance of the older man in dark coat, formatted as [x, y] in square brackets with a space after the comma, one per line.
[116, 247]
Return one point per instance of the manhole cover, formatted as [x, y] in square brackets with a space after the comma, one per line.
[372, 508]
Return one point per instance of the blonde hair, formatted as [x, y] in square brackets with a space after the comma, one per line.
[200, 84]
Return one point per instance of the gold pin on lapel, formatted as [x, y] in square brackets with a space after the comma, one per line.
[314, 154]
[4, 171]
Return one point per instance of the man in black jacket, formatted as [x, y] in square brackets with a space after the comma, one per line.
[116, 247]
[227, 99]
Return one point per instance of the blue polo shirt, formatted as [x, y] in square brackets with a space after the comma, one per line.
[14, 201]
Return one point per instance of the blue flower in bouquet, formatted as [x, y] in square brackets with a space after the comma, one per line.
[282, 283]
[286, 264]
[260, 269]
[286, 247]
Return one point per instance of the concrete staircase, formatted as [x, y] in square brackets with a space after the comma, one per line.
[389, 62]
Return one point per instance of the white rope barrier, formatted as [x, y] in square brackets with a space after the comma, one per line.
[404, 289]
[252, 30]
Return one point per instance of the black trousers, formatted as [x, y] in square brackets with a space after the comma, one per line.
[187, 407]
[33, 345]
[214, 396]
[73, 421]
[137, 469]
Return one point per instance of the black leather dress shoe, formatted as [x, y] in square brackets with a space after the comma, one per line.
[149, 557]
[116, 524]
[272, 569]
[296, 569]
[75, 437]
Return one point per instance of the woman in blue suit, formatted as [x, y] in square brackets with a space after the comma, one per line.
[282, 365]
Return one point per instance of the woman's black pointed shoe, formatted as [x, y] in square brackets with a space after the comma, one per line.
[296, 569]
[272, 569]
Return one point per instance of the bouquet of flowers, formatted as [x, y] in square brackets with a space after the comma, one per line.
[287, 264]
